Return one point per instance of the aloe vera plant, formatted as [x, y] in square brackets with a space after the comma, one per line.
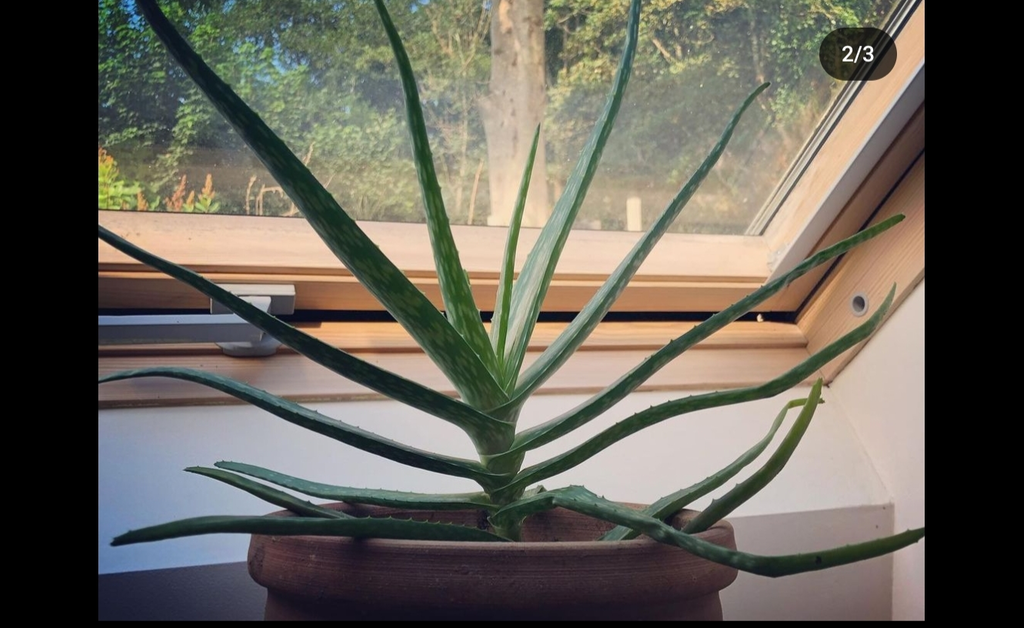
[486, 368]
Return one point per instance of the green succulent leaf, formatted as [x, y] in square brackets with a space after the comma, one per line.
[452, 279]
[361, 527]
[657, 414]
[410, 307]
[616, 392]
[535, 278]
[375, 497]
[584, 323]
[316, 422]
[268, 494]
[502, 302]
[486, 370]
[720, 508]
[670, 504]
[579, 499]
[488, 433]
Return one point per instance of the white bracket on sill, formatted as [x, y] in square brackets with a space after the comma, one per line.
[282, 296]
[235, 336]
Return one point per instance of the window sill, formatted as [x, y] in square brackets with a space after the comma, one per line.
[743, 354]
[683, 273]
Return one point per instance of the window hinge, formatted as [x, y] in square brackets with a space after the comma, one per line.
[231, 333]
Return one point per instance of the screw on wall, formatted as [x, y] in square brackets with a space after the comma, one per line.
[859, 304]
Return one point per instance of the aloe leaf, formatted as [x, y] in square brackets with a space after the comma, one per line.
[584, 323]
[670, 504]
[488, 433]
[375, 497]
[720, 508]
[362, 527]
[657, 414]
[452, 279]
[580, 500]
[439, 340]
[268, 494]
[616, 392]
[316, 422]
[535, 278]
[499, 326]
[550, 431]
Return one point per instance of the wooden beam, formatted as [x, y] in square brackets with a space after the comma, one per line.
[870, 270]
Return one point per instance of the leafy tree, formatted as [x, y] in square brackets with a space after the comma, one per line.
[696, 60]
[322, 75]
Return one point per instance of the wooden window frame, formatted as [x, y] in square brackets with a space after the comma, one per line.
[685, 273]
[742, 354]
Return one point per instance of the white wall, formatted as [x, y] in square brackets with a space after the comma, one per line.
[830, 494]
[860, 591]
[143, 451]
[890, 423]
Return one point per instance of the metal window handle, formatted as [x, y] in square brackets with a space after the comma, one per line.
[233, 335]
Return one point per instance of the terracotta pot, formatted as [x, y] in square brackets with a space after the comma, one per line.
[560, 571]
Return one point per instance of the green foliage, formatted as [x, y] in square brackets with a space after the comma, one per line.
[673, 503]
[487, 373]
[695, 59]
[178, 201]
[115, 192]
[204, 202]
[320, 75]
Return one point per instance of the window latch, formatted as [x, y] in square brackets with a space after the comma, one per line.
[235, 336]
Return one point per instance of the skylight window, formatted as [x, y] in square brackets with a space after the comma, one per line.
[324, 80]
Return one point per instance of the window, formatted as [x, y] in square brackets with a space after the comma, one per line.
[848, 169]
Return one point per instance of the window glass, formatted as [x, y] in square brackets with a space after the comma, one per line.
[322, 75]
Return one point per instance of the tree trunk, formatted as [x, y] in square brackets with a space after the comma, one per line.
[514, 107]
